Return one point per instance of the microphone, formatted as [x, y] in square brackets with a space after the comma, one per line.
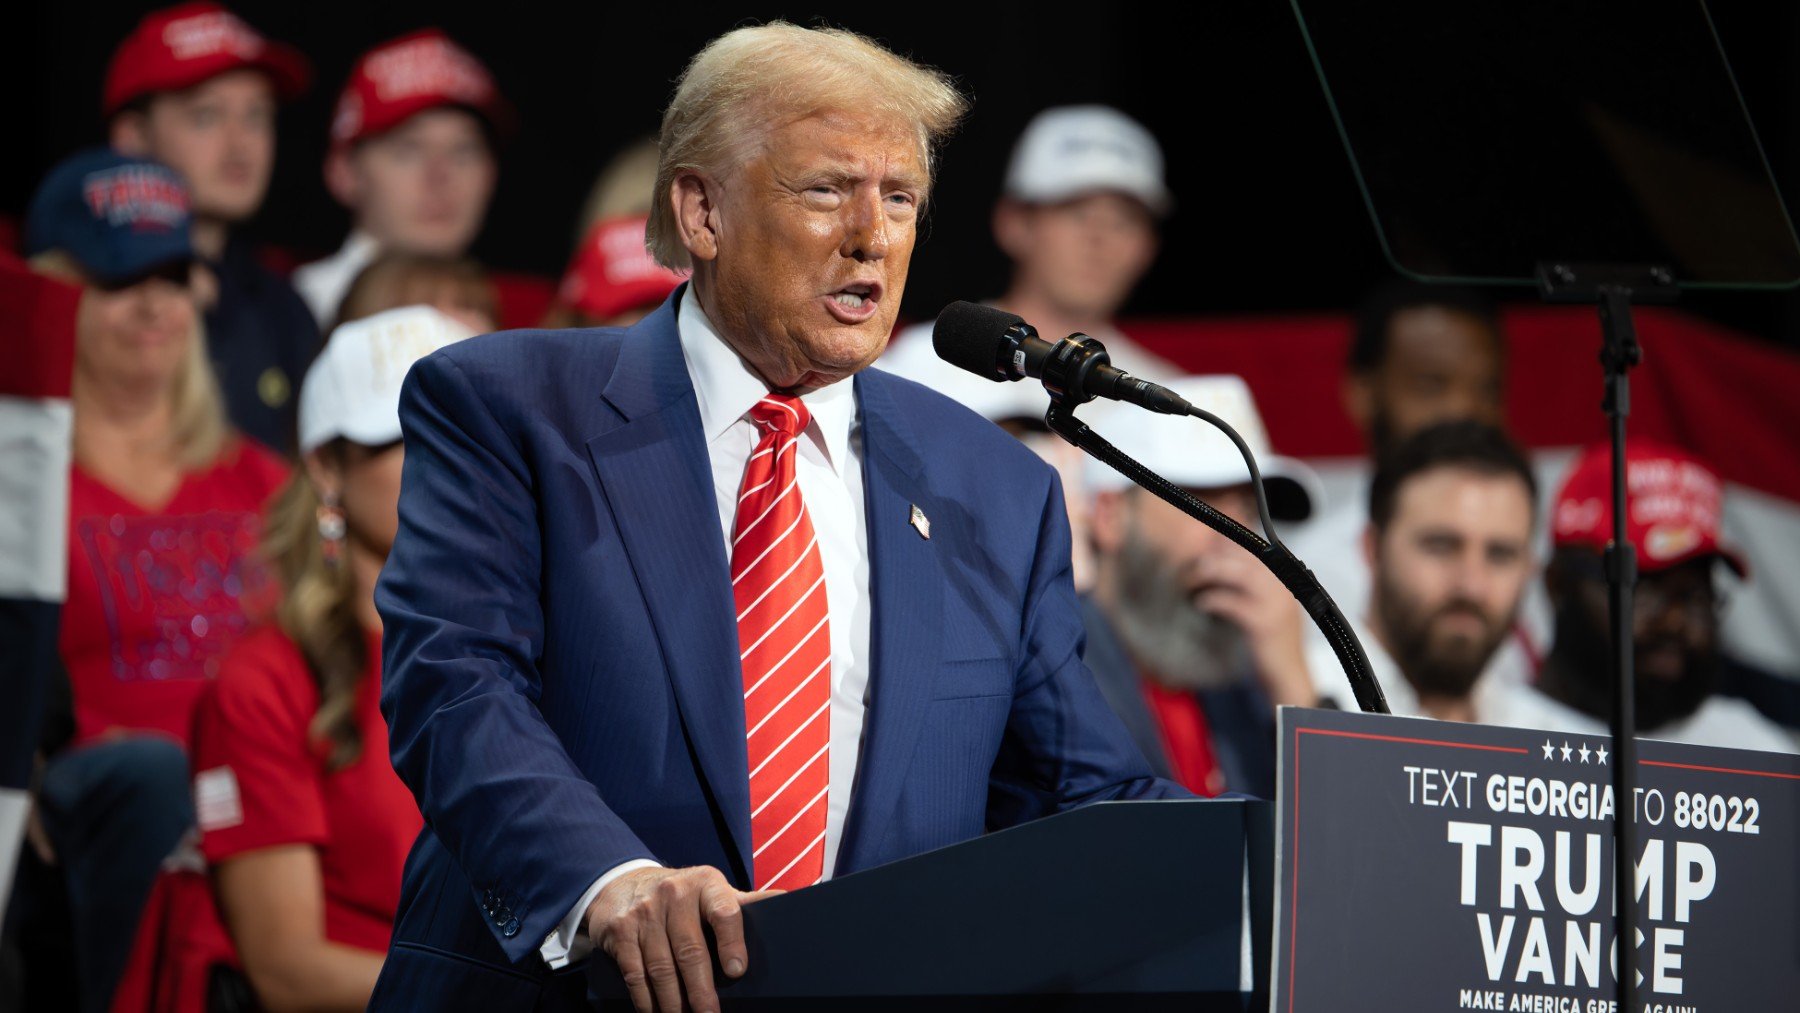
[1003, 347]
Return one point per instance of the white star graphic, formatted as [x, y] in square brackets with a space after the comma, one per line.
[1566, 750]
[1549, 750]
[1585, 752]
[1601, 754]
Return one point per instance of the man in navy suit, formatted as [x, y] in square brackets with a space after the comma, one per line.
[579, 606]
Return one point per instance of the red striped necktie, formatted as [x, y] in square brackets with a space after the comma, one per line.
[784, 632]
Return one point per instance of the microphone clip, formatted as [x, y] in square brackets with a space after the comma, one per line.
[1066, 371]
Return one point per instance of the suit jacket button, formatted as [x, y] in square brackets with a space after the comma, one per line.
[511, 928]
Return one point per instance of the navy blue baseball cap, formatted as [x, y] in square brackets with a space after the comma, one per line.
[119, 217]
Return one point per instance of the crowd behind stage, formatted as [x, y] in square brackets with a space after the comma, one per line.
[214, 822]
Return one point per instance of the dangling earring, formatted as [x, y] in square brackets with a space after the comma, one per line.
[331, 529]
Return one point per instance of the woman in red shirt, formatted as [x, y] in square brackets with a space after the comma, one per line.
[164, 501]
[302, 819]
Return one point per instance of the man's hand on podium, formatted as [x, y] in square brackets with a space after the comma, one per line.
[650, 922]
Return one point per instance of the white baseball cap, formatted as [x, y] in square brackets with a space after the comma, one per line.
[1193, 454]
[353, 387]
[1070, 151]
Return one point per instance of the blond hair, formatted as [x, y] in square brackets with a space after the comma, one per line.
[747, 80]
[197, 407]
[623, 188]
[198, 429]
[318, 613]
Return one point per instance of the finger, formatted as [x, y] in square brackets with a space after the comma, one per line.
[1242, 568]
[720, 904]
[1248, 576]
[753, 897]
[1249, 610]
[1259, 587]
[1237, 610]
[692, 958]
[1226, 602]
[659, 965]
[625, 952]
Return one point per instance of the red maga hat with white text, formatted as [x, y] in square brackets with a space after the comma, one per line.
[402, 78]
[1673, 506]
[612, 271]
[179, 47]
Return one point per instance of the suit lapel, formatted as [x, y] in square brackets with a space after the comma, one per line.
[906, 587]
[655, 474]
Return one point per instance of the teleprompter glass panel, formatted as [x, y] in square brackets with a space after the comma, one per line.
[1491, 135]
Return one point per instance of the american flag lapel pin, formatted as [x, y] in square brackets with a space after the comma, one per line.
[920, 522]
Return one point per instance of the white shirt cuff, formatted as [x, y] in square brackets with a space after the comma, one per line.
[570, 941]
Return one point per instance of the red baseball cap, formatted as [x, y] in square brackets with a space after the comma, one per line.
[1673, 506]
[408, 75]
[612, 271]
[179, 47]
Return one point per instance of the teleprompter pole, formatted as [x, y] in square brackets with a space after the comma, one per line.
[1614, 289]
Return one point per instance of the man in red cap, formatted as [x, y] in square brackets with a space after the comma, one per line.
[1674, 505]
[196, 88]
[411, 157]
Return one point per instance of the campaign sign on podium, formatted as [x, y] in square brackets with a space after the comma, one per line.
[1431, 866]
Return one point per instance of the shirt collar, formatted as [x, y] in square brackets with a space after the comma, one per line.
[726, 387]
[359, 249]
[1401, 697]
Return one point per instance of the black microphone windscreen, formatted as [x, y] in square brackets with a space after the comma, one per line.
[969, 334]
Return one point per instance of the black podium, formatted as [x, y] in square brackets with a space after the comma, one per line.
[1120, 905]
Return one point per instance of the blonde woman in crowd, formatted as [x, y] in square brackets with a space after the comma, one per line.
[288, 898]
[164, 517]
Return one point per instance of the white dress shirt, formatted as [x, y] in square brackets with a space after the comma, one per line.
[323, 283]
[828, 467]
[1330, 682]
[1721, 721]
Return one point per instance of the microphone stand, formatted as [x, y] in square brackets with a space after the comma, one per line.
[1066, 393]
[1615, 288]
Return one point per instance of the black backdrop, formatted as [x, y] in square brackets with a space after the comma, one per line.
[1268, 219]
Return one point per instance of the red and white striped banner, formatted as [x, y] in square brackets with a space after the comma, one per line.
[1731, 400]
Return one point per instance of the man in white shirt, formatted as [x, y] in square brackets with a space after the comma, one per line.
[411, 157]
[1449, 547]
[1420, 354]
[1673, 508]
[1084, 191]
[1077, 218]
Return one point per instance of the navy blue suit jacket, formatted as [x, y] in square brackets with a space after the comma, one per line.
[561, 674]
